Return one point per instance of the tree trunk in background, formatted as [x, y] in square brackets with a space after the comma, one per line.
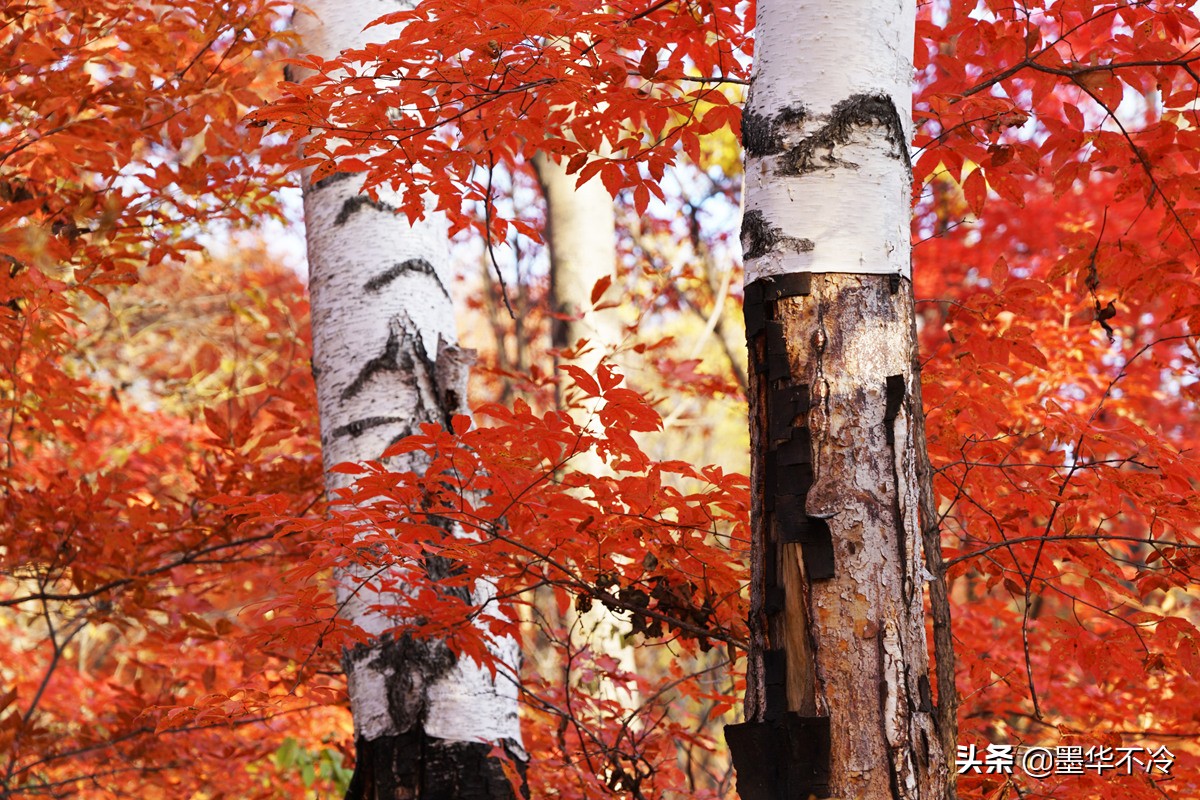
[581, 239]
[838, 699]
[385, 360]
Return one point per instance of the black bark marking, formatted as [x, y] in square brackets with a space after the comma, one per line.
[894, 396]
[768, 289]
[854, 113]
[410, 762]
[787, 466]
[396, 357]
[415, 764]
[428, 368]
[775, 672]
[360, 426]
[759, 237]
[390, 360]
[782, 758]
[418, 265]
[441, 570]
[926, 698]
[763, 136]
[353, 205]
[443, 379]
[415, 665]
[336, 177]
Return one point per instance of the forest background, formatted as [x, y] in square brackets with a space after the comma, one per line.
[168, 628]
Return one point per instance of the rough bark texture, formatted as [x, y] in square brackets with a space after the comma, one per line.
[838, 572]
[385, 360]
[939, 604]
[838, 700]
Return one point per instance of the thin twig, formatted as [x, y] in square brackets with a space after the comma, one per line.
[487, 235]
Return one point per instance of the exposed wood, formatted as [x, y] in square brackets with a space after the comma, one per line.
[801, 677]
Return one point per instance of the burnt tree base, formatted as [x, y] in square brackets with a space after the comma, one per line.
[415, 766]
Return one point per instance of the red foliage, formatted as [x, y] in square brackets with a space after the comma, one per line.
[660, 542]
[1056, 151]
[469, 83]
[121, 585]
[165, 560]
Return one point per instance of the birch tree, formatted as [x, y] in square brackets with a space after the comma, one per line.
[386, 360]
[839, 699]
[838, 702]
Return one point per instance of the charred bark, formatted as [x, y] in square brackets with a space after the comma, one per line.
[414, 765]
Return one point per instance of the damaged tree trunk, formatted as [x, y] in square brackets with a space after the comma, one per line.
[838, 700]
[385, 360]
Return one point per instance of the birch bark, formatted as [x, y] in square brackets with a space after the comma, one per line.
[838, 700]
[386, 360]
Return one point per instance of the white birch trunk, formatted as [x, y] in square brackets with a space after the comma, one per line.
[838, 699]
[826, 134]
[385, 360]
[582, 239]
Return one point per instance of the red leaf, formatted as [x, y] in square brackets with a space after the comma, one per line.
[582, 379]
[975, 191]
[649, 63]
[600, 287]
